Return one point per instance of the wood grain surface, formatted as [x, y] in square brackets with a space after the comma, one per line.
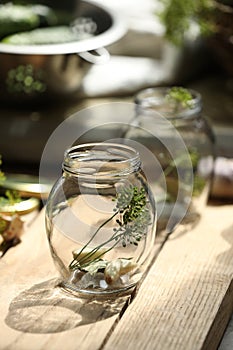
[186, 299]
[184, 302]
[36, 314]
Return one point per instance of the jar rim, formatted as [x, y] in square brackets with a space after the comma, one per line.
[90, 159]
[148, 97]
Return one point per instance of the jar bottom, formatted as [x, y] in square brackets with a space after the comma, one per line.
[100, 283]
[97, 293]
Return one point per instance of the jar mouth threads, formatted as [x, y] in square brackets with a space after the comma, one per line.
[155, 99]
[101, 159]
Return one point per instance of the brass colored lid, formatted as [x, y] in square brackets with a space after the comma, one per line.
[28, 185]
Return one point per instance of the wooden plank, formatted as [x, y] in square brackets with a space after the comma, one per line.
[183, 303]
[34, 313]
[186, 298]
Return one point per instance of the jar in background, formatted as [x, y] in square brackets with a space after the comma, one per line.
[182, 142]
[101, 220]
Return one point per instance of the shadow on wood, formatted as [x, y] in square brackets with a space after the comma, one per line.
[45, 308]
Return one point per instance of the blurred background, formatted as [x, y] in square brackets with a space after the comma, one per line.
[150, 43]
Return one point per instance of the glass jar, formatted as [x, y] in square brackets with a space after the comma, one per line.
[182, 142]
[101, 220]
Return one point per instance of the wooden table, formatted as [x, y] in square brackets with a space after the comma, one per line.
[184, 301]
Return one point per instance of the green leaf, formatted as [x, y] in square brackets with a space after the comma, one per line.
[178, 16]
[180, 95]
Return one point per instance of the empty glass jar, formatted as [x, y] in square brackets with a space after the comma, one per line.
[174, 130]
[101, 220]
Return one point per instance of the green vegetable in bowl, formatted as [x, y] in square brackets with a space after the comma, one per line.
[43, 36]
[16, 18]
[47, 16]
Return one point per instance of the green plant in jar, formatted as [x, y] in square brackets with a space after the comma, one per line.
[181, 98]
[132, 217]
[171, 125]
[101, 219]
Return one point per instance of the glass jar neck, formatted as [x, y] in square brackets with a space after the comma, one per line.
[157, 100]
[101, 160]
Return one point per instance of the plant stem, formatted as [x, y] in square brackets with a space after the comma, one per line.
[81, 262]
[95, 233]
[130, 205]
[92, 237]
[176, 163]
